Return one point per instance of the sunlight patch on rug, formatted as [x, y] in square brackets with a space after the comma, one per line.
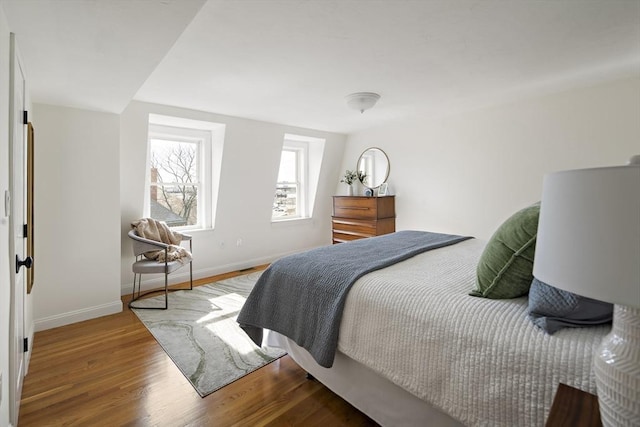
[200, 334]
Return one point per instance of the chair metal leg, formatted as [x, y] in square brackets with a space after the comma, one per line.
[191, 266]
[133, 291]
[166, 290]
[140, 294]
[139, 276]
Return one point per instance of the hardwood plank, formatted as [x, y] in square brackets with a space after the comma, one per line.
[111, 371]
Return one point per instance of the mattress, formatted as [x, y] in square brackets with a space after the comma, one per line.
[383, 401]
[478, 360]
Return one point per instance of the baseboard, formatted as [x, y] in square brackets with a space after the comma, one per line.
[77, 316]
[212, 271]
[182, 275]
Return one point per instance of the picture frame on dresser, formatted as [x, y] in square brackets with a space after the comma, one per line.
[383, 189]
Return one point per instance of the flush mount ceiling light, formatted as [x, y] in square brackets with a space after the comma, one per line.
[362, 101]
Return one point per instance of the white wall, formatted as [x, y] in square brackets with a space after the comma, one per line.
[77, 215]
[5, 291]
[466, 173]
[251, 157]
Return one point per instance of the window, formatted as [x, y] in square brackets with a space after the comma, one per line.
[182, 187]
[291, 189]
[298, 177]
[176, 175]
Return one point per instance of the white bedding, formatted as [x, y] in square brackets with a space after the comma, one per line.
[479, 360]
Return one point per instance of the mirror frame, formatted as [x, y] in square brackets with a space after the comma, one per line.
[388, 166]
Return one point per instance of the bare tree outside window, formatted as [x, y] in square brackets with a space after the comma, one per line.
[174, 182]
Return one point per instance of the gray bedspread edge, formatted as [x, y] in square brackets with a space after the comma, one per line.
[302, 296]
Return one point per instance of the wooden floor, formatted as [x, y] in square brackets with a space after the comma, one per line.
[110, 371]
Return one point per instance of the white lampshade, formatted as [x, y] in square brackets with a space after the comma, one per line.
[589, 233]
[588, 243]
[362, 101]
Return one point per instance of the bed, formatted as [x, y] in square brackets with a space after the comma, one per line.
[414, 348]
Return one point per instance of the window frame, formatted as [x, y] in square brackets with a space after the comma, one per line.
[203, 140]
[301, 149]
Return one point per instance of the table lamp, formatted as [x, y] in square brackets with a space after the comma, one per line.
[588, 243]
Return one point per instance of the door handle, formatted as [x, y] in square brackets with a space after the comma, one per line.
[27, 262]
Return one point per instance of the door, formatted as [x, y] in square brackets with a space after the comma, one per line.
[17, 219]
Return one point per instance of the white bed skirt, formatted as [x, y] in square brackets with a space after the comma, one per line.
[379, 398]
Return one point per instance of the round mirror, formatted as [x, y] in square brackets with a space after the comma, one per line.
[374, 165]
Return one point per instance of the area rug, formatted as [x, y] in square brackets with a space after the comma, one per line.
[200, 334]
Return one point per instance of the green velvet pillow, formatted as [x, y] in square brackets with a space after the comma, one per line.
[505, 269]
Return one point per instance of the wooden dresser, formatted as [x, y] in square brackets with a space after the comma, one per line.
[357, 217]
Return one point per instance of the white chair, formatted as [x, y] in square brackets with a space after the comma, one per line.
[143, 265]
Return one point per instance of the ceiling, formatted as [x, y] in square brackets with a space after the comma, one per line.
[294, 61]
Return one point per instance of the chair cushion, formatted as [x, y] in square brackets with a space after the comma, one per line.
[146, 266]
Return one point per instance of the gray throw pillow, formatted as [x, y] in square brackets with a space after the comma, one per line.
[553, 309]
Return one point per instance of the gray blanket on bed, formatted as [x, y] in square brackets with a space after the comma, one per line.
[302, 296]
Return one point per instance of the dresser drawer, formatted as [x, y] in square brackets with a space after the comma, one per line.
[341, 237]
[354, 227]
[355, 207]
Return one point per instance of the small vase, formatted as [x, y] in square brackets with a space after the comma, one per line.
[349, 190]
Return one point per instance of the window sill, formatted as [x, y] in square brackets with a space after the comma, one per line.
[291, 221]
[195, 230]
